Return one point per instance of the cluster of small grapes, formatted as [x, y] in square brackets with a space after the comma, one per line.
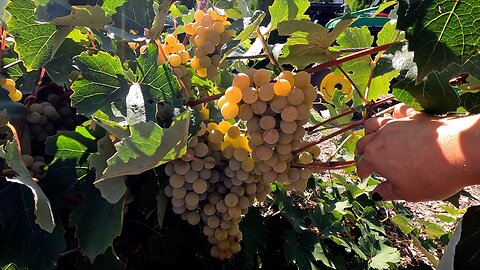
[275, 113]
[214, 183]
[9, 85]
[207, 34]
[177, 56]
[34, 165]
[45, 118]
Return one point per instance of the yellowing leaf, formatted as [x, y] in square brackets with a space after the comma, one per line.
[88, 16]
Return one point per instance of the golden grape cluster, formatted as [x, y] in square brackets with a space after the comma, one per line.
[215, 183]
[207, 35]
[275, 113]
[13, 93]
[178, 57]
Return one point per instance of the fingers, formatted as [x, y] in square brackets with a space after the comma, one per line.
[374, 124]
[363, 142]
[385, 191]
[403, 110]
[364, 168]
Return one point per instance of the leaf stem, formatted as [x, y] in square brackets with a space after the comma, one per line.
[194, 102]
[267, 50]
[340, 146]
[68, 252]
[349, 57]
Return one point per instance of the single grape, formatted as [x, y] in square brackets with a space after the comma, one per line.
[289, 114]
[305, 158]
[200, 186]
[233, 94]
[259, 107]
[229, 110]
[261, 77]
[278, 103]
[34, 118]
[267, 122]
[265, 92]
[245, 112]
[287, 75]
[282, 87]
[241, 80]
[249, 95]
[271, 136]
[295, 97]
[302, 79]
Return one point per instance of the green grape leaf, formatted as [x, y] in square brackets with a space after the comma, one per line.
[71, 151]
[162, 203]
[254, 231]
[466, 253]
[403, 223]
[434, 231]
[23, 241]
[108, 260]
[134, 16]
[389, 33]
[43, 210]
[471, 102]
[385, 257]
[88, 16]
[285, 10]
[111, 189]
[61, 65]
[355, 37]
[103, 82]
[320, 253]
[97, 223]
[308, 42]
[439, 32]
[148, 146]
[250, 25]
[299, 248]
[380, 85]
[13, 72]
[112, 127]
[35, 42]
[110, 6]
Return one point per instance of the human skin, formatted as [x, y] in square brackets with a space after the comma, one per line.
[422, 157]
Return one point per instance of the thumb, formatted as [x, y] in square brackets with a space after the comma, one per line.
[402, 110]
[385, 192]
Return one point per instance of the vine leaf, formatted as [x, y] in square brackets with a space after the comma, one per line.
[385, 256]
[299, 248]
[105, 82]
[43, 210]
[111, 189]
[161, 13]
[97, 223]
[134, 16]
[148, 146]
[87, 16]
[35, 42]
[23, 241]
[308, 41]
[285, 10]
[439, 32]
[250, 25]
[434, 93]
[357, 37]
[110, 6]
[61, 65]
[112, 127]
[71, 151]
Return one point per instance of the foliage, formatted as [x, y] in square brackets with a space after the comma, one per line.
[101, 193]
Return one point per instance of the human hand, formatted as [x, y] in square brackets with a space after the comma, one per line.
[422, 157]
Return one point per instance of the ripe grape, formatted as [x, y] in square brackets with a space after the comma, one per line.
[282, 87]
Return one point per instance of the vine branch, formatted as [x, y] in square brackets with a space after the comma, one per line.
[194, 102]
[267, 50]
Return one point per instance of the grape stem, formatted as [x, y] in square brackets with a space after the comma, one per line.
[68, 252]
[194, 102]
[331, 165]
[267, 50]
[329, 136]
[240, 57]
[349, 57]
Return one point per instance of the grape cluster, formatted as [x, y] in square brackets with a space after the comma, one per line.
[45, 118]
[9, 85]
[34, 165]
[214, 184]
[275, 113]
[207, 34]
[177, 57]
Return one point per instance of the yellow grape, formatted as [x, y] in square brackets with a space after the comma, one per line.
[295, 97]
[221, 101]
[178, 47]
[202, 72]
[315, 151]
[305, 158]
[234, 132]
[15, 96]
[175, 60]
[282, 87]
[212, 126]
[287, 75]
[240, 154]
[265, 92]
[233, 94]
[261, 77]
[302, 79]
[198, 15]
[224, 126]
[289, 114]
[248, 164]
[195, 63]
[189, 29]
[241, 80]
[229, 110]
[249, 95]
[171, 40]
[184, 56]
[245, 112]
[215, 136]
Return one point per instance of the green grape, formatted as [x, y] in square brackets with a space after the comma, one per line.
[261, 77]
[267, 122]
[305, 158]
[177, 180]
[295, 97]
[271, 136]
[259, 107]
[265, 92]
[289, 114]
[249, 95]
[240, 154]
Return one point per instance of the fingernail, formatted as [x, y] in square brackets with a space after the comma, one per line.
[377, 197]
